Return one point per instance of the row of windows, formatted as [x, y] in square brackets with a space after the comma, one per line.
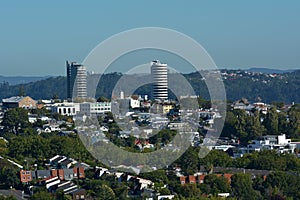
[28, 178]
[100, 109]
[99, 105]
[66, 110]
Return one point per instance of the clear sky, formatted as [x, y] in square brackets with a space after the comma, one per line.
[38, 36]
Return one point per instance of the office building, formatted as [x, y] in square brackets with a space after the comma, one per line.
[159, 74]
[76, 80]
[95, 108]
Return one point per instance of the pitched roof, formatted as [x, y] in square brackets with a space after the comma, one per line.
[15, 99]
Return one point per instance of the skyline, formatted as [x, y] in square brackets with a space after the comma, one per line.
[38, 37]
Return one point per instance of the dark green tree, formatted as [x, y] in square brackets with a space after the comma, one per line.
[217, 158]
[242, 187]
[216, 184]
[15, 119]
[105, 193]
[294, 121]
[42, 195]
[189, 161]
[9, 177]
[271, 122]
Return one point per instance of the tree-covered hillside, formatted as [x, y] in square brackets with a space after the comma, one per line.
[251, 85]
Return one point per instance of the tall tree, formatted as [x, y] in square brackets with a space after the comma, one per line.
[216, 184]
[15, 119]
[105, 193]
[271, 121]
[242, 187]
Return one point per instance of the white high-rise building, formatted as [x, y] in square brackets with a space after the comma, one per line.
[76, 80]
[159, 74]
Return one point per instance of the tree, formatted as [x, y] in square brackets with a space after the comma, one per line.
[15, 119]
[8, 177]
[7, 198]
[217, 158]
[103, 99]
[294, 121]
[216, 184]
[283, 124]
[190, 191]
[242, 187]
[254, 127]
[3, 147]
[104, 192]
[229, 129]
[21, 91]
[283, 184]
[156, 176]
[189, 161]
[271, 122]
[42, 195]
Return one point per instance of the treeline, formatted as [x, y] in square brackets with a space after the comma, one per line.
[282, 182]
[285, 89]
[263, 160]
[247, 126]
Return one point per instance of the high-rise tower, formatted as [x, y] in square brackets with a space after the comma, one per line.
[76, 80]
[159, 74]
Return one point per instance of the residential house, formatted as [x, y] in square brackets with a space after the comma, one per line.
[54, 184]
[25, 176]
[61, 174]
[271, 142]
[193, 179]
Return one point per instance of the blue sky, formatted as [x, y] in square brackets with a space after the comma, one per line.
[38, 36]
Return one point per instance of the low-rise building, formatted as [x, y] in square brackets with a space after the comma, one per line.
[135, 102]
[61, 174]
[95, 108]
[19, 102]
[25, 176]
[272, 142]
[65, 108]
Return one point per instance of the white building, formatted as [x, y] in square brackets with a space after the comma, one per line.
[135, 102]
[65, 108]
[95, 108]
[76, 80]
[272, 142]
[159, 74]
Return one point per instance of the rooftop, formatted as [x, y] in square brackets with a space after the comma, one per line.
[14, 99]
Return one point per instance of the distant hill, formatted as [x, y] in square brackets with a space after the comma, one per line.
[15, 80]
[41, 89]
[284, 87]
[269, 71]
